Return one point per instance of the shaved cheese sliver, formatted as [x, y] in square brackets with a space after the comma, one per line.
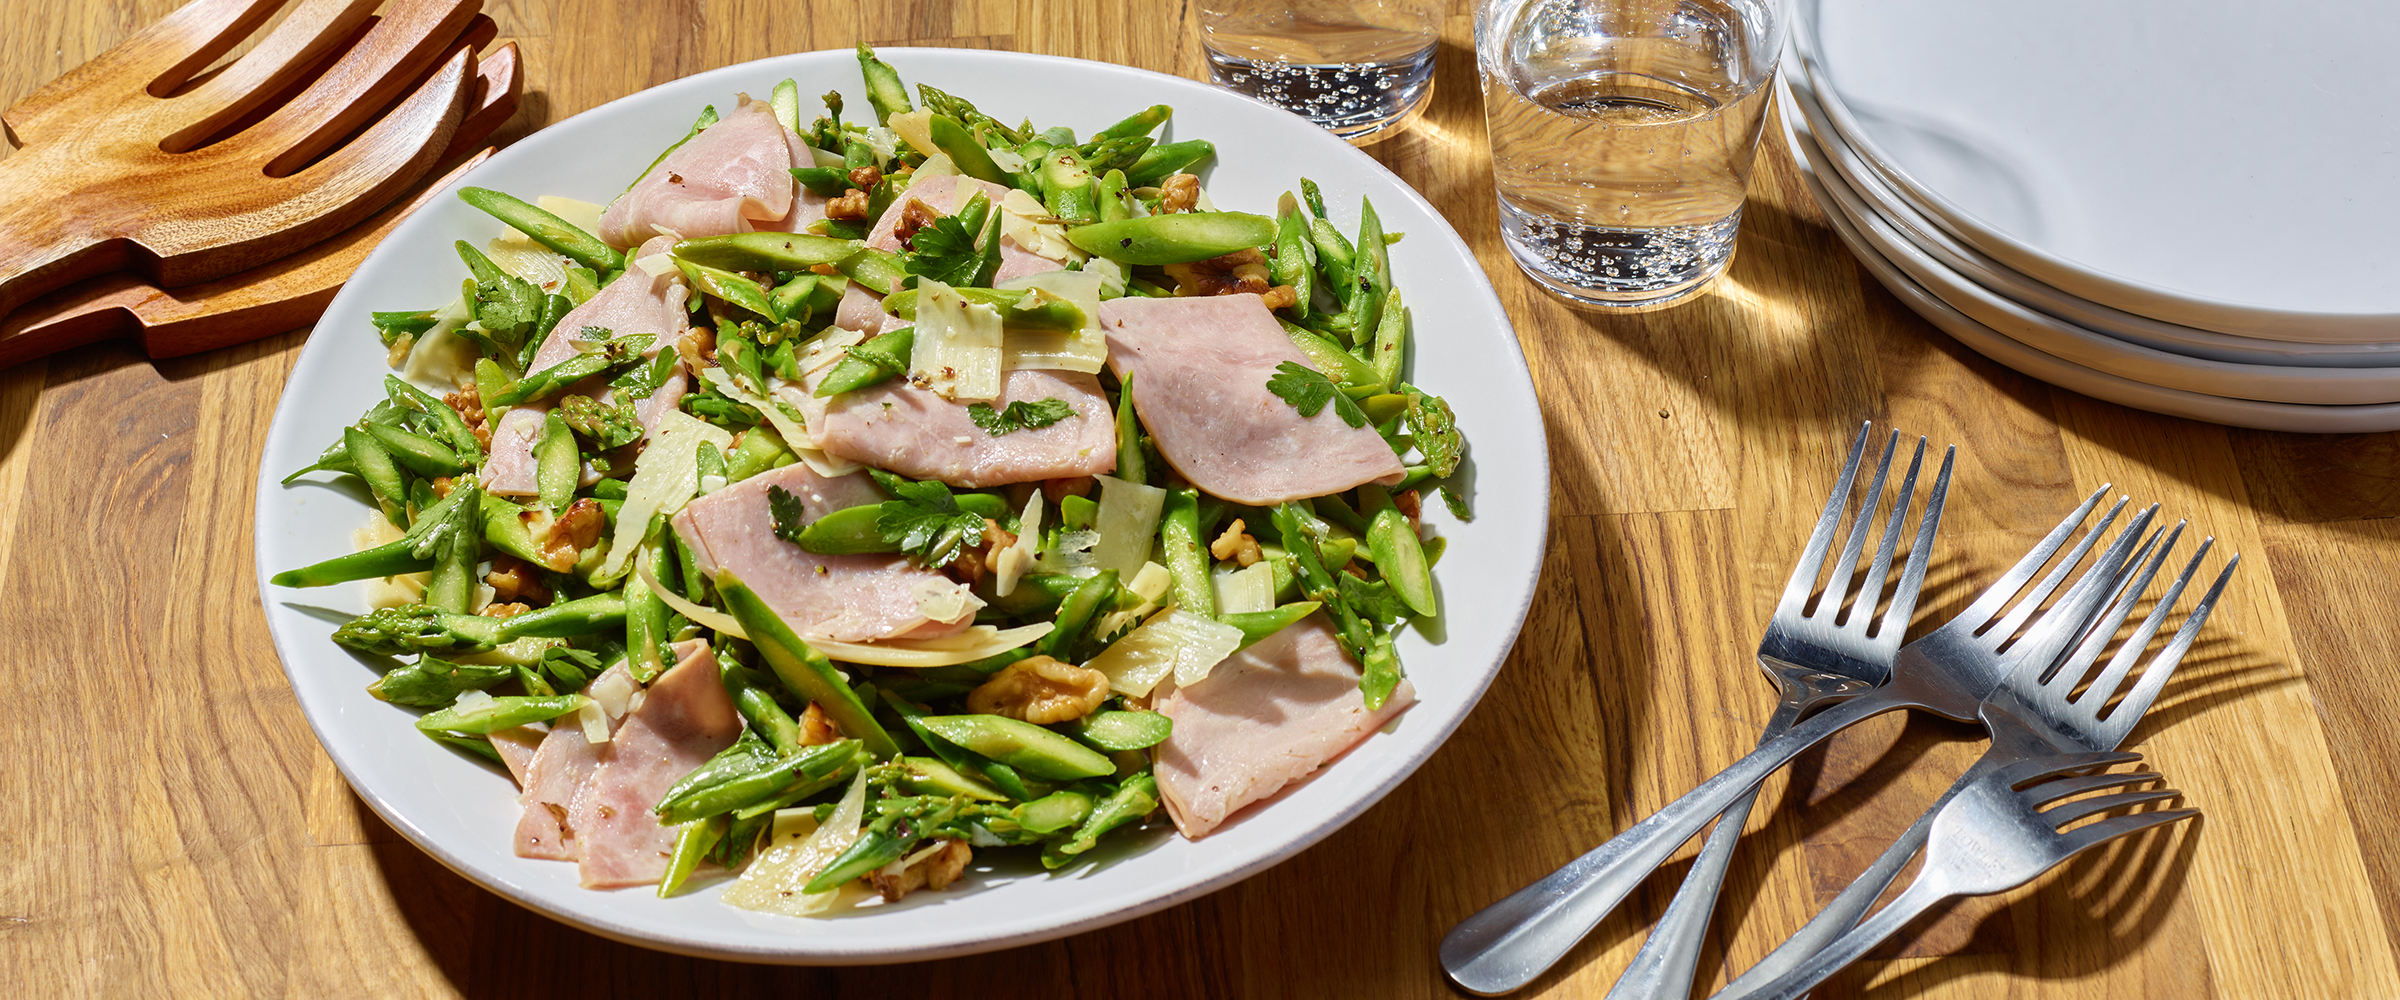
[468, 701]
[391, 591]
[1178, 643]
[1249, 589]
[824, 157]
[1017, 558]
[1073, 554]
[615, 692]
[665, 477]
[581, 214]
[958, 348]
[917, 128]
[439, 356]
[1127, 522]
[656, 264]
[594, 720]
[1007, 159]
[937, 165]
[1112, 275]
[984, 640]
[1026, 222]
[701, 615]
[517, 254]
[1081, 350]
[1151, 584]
[941, 599]
[797, 849]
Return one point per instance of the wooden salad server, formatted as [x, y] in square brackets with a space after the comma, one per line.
[133, 161]
[282, 295]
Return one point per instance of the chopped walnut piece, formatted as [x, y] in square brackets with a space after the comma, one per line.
[698, 348]
[1282, 297]
[996, 540]
[1040, 690]
[468, 401]
[815, 729]
[916, 216]
[514, 579]
[1237, 545]
[865, 178]
[441, 486]
[574, 531]
[935, 871]
[1410, 504]
[498, 610]
[1234, 273]
[1055, 490]
[1178, 193]
[825, 269]
[852, 206]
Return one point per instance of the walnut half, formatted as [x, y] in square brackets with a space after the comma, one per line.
[936, 871]
[1040, 690]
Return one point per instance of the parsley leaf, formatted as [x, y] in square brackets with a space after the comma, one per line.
[642, 380]
[1308, 390]
[787, 512]
[925, 521]
[945, 250]
[1019, 415]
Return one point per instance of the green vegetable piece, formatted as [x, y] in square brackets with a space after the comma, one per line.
[1114, 197]
[747, 773]
[872, 363]
[961, 249]
[1334, 257]
[1068, 188]
[457, 545]
[413, 552]
[1140, 123]
[692, 843]
[1435, 428]
[929, 522]
[1135, 797]
[1400, 557]
[1256, 625]
[603, 425]
[759, 449]
[728, 287]
[1329, 358]
[880, 271]
[614, 352]
[433, 683]
[1295, 260]
[1078, 513]
[415, 628]
[374, 465]
[1021, 745]
[850, 531]
[391, 326]
[1391, 342]
[766, 251]
[931, 776]
[601, 612]
[420, 454]
[785, 101]
[827, 182]
[1105, 155]
[546, 228]
[455, 431]
[1127, 730]
[557, 465]
[1133, 462]
[500, 713]
[972, 158]
[878, 845]
[1055, 811]
[1160, 160]
[1180, 238]
[1036, 594]
[1019, 415]
[1187, 552]
[802, 668]
[1022, 308]
[884, 89]
[1308, 390]
[1076, 613]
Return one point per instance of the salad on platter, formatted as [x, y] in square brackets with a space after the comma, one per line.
[848, 497]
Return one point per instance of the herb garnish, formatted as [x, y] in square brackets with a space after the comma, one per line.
[1308, 390]
[1019, 415]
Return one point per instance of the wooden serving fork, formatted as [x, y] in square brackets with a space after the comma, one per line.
[136, 161]
[281, 295]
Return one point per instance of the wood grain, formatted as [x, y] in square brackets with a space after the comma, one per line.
[178, 832]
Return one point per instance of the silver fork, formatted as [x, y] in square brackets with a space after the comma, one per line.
[2036, 712]
[1814, 660]
[1948, 672]
[1994, 837]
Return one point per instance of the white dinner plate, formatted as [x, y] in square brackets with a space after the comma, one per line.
[1972, 265]
[2051, 368]
[2274, 383]
[2202, 162]
[462, 812]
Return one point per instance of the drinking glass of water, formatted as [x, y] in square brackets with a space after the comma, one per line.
[1622, 133]
[1360, 68]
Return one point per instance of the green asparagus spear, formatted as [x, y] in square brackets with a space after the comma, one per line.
[884, 89]
[415, 628]
[1174, 239]
[802, 668]
[1187, 552]
[546, 229]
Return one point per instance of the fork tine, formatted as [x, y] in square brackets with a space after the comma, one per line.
[313, 31]
[2129, 652]
[409, 41]
[2038, 768]
[2063, 622]
[2064, 675]
[1988, 605]
[1920, 552]
[162, 54]
[1871, 592]
[1812, 559]
[2031, 602]
[2054, 790]
[2154, 677]
[1845, 578]
[2080, 808]
[2084, 838]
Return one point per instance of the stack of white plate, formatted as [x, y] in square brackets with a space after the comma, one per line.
[2186, 206]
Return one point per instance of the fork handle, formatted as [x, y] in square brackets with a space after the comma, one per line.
[1507, 944]
[1921, 895]
[1671, 954]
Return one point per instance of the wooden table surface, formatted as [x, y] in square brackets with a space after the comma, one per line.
[173, 829]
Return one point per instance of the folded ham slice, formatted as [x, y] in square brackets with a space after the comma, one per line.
[899, 427]
[1263, 719]
[862, 310]
[847, 598]
[561, 766]
[683, 719]
[1199, 368]
[634, 303]
[735, 176]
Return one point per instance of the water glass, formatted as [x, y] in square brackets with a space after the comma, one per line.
[1360, 68]
[1622, 135]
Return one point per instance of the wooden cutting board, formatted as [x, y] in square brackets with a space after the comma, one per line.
[175, 829]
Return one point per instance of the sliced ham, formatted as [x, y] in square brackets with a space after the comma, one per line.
[1263, 719]
[900, 427]
[634, 303]
[683, 719]
[854, 598]
[1199, 368]
[560, 768]
[517, 746]
[733, 172]
[862, 310]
